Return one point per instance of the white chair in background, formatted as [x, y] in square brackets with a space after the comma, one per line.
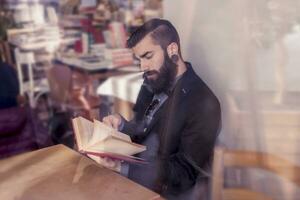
[32, 87]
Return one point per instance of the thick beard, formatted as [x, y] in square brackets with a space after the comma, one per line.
[165, 76]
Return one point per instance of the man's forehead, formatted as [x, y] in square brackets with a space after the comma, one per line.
[145, 45]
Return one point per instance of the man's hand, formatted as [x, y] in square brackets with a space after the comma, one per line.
[113, 121]
[109, 163]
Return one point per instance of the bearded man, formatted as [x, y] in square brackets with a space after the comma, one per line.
[176, 115]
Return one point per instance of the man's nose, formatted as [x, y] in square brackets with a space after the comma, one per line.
[144, 66]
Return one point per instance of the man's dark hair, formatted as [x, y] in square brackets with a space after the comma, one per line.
[162, 32]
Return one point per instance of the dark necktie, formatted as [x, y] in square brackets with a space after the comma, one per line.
[149, 111]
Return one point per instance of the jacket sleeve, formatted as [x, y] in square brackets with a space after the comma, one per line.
[134, 128]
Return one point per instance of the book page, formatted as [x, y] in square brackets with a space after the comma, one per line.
[83, 130]
[95, 156]
[116, 145]
[101, 132]
[97, 137]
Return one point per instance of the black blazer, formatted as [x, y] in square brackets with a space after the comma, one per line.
[187, 125]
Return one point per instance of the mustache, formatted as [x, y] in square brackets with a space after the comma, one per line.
[149, 73]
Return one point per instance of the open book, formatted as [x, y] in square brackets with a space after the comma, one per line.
[97, 139]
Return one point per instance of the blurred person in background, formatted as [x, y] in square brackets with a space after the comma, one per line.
[9, 87]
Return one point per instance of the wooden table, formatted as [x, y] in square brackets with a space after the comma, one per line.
[58, 173]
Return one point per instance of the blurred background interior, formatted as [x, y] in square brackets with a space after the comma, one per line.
[64, 58]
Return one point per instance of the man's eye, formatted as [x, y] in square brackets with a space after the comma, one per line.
[149, 57]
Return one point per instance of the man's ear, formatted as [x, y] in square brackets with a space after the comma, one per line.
[172, 49]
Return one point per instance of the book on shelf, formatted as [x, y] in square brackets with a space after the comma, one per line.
[96, 139]
[118, 34]
[121, 57]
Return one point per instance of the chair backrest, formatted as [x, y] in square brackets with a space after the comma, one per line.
[59, 78]
[225, 158]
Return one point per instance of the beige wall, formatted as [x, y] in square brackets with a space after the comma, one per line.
[248, 46]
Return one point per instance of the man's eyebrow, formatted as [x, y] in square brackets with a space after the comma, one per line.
[145, 54]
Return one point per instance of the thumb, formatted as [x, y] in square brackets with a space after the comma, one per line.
[116, 122]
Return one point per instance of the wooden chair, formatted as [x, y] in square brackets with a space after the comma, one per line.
[225, 158]
[33, 87]
[68, 91]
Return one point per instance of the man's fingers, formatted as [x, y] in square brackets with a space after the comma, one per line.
[112, 121]
[110, 163]
[107, 121]
[116, 122]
